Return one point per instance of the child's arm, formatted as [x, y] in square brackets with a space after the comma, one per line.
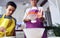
[25, 19]
[40, 14]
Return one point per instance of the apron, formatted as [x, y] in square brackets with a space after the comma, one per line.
[38, 24]
[9, 25]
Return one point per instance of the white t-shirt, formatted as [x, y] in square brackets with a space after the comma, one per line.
[36, 8]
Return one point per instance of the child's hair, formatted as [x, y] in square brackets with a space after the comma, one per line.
[12, 4]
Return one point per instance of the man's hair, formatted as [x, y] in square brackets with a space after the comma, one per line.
[37, 1]
[12, 4]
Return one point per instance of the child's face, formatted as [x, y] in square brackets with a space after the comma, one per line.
[33, 2]
[10, 10]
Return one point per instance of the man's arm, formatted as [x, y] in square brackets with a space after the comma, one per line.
[11, 29]
[6, 21]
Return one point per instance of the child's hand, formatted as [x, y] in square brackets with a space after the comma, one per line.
[40, 14]
[26, 20]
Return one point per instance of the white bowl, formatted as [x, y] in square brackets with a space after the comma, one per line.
[8, 37]
[34, 32]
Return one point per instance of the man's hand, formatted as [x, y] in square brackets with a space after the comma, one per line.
[2, 29]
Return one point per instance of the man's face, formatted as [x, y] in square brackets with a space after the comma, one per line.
[10, 10]
[33, 2]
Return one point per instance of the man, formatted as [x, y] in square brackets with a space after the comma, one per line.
[7, 22]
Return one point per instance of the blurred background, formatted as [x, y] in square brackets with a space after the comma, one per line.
[51, 8]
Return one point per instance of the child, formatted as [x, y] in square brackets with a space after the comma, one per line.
[34, 17]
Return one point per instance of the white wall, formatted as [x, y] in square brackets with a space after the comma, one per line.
[54, 9]
[19, 13]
